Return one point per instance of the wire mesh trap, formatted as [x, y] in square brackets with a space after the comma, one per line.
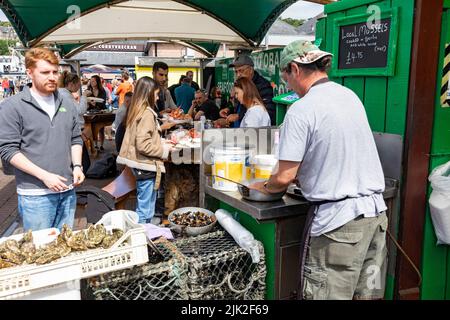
[209, 266]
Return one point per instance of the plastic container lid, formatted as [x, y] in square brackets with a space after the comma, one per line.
[231, 148]
[264, 160]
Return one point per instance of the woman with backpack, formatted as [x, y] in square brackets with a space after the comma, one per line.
[142, 148]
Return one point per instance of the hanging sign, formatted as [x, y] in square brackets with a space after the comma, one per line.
[363, 47]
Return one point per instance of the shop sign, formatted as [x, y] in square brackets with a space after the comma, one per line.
[118, 47]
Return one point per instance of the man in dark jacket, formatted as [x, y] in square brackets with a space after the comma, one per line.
[244, 68]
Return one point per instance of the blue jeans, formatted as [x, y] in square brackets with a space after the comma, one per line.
[47, 211]
[146, 200]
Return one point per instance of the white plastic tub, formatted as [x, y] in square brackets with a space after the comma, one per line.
[264, 165]
[231, 163]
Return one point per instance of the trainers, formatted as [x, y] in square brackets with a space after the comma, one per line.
[156, 221]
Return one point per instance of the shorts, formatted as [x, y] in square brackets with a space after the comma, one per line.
[349, 262]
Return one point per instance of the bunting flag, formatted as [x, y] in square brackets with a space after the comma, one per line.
[445, 88]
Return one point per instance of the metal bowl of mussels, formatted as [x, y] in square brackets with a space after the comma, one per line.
[192, 221]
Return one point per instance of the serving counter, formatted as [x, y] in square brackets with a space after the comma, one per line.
[279, 224]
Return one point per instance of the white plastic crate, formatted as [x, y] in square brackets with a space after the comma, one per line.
[69, 290]
[129, 250]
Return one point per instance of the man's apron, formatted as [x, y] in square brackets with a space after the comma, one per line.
[308, 224]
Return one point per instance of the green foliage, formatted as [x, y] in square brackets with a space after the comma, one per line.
[5, 24]
[4, 47]
[294, 22]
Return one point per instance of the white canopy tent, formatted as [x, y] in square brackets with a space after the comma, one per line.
[143, 19]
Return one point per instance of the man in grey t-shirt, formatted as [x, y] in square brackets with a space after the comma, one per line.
[327, 145]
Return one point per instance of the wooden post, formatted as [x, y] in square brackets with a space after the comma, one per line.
[421, 102]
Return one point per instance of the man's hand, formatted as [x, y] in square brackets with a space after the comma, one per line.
[54, 182]
[76, 96]
[78, 176]
[233, 117]
[165, 111]
[167, 125]
[171, 145]
[221, 123]
[224, 112]
[259, 186]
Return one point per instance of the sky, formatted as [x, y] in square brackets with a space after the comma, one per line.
[302, 10]
[299, 10]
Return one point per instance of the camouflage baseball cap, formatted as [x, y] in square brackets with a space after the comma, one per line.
[301, 51]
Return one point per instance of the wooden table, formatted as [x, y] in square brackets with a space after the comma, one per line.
[93, 122]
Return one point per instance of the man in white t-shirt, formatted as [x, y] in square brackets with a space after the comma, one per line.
[326, 145]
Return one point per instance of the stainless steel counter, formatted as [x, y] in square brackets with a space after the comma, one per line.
[283, 208]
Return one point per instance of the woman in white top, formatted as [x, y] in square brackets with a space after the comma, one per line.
[256, 115]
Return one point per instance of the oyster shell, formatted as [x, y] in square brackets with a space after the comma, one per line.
[27, 247]
[66, 232]
[95, 235]
[46, 255]
[61, 247]
[6, 264]
[110, 239]
[78, 241]
[10, 251]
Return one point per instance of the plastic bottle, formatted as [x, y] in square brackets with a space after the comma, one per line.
[241, 235]
[202, 121]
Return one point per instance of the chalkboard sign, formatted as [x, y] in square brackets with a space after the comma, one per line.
[365, 46]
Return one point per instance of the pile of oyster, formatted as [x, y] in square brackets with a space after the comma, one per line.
[24, 251]
[192, 219]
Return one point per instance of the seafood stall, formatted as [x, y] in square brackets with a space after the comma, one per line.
[277, 223]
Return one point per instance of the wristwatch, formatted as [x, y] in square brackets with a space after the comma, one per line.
[78, 165]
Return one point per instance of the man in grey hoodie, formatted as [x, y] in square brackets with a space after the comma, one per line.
[40, 137]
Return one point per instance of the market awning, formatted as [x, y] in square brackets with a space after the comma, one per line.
[241, 22]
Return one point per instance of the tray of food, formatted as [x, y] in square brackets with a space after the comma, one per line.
[177, 116]
[182, 138]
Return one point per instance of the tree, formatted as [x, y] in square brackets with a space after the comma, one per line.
[294, 22]
[4, 50]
